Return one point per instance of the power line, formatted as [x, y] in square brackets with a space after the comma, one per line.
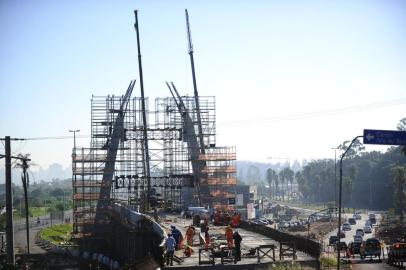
[54, 138]
[305, 115]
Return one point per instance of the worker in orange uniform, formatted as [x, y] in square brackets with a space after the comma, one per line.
[229, 237]
[233, 221]
[206, 222]
[206, 238]
[190, 232]
[217, 218]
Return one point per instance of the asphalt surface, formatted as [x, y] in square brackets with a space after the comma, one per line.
[20, 236]
[357, 263]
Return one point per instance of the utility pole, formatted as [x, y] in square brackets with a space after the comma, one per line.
[25, 186]
[9, 205]
[340, 199]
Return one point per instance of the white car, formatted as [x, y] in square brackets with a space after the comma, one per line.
[357, 216]
[346, 227]
[357, 238]
[367, 229]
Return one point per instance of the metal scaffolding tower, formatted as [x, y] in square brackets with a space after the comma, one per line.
[172, 175]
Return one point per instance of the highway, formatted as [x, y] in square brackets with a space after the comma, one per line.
[359, 264]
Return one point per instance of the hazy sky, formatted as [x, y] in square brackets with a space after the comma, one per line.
[291, 78]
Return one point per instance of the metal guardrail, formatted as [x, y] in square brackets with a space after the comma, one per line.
[263, 252]
[208, 254]
[287, 249]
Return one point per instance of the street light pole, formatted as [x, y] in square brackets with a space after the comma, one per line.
[74, 138]
[335, 175]
[73, 165]
[340, 199]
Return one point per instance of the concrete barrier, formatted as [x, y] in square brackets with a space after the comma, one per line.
[303, 244]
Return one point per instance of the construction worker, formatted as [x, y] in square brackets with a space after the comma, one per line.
[205, 223]
[217, 217]
[190, 232]
[177, 235]
[237, 241]
[229, 236]
[206, 239]
[233, 221]
[170, 249]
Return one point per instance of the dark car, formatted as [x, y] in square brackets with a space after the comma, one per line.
[333, 239]
[354, 248]
[371, 248]
[352, 221]
[342, 246]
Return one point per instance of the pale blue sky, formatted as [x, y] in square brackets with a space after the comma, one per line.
[261, 59]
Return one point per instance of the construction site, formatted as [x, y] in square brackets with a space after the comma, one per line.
[150, 157]
[147, 162]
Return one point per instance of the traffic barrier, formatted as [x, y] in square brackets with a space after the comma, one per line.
[301, 243]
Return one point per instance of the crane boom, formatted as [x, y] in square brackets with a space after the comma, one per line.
[196, 94]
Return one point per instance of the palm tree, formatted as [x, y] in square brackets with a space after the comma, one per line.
[25, 165]
[290, 176]
[270, 177]
[399, 179]
[282, 179]
[276, 183]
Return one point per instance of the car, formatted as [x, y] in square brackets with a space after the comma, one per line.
[346, 227]
[372, 218]
[342, 246]
[354, 248]
[263, 221]
[368, 223]
[359, 232]
[357, 239]
[332, 240]
[357, 216]
[342, 234]
[371, 248]
[396, 253]
[367, 229]
[352, 221]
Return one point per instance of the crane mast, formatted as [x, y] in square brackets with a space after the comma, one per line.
[196, 94]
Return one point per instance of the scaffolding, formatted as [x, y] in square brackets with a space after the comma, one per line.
[173, 179]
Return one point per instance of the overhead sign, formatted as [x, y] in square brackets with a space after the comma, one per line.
[385, 137]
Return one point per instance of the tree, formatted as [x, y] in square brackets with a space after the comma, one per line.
[253, 174]
[270, 177]
[402, 127]
[276, 181]
[282, 179]
[25, 165]
[399, 180]
[355, 149]
[290, 176]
